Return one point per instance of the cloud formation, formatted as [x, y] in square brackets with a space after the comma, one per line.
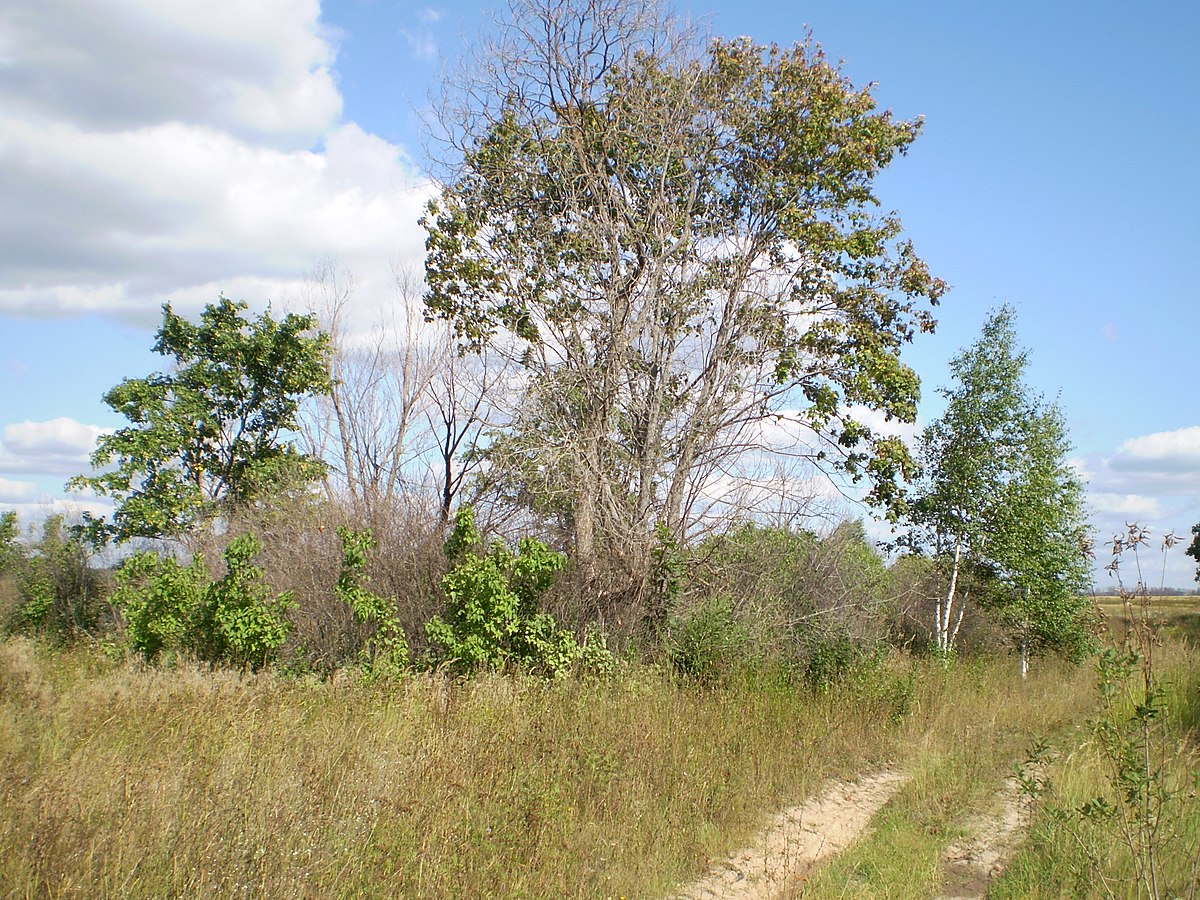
[1153, 480]
[58, 447]
[167, 151]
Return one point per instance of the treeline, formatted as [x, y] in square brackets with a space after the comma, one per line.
[292, 584]
[661, 310]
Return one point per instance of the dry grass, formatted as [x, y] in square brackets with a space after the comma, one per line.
[1080, 856]
[124, 782]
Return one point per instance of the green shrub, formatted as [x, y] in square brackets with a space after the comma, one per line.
[159, 599]
[169, 607]
[246, 623]
[707, 642]
[59, 593]
[492, 597]
[386, 651]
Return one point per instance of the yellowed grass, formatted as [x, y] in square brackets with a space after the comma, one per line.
[116, 781]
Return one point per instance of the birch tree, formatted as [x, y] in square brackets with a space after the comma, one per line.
[998, 496]
[675, 240]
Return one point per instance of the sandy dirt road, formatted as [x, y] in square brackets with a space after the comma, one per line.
[796, 839]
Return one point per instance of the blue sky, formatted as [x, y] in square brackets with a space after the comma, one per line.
[152, 153]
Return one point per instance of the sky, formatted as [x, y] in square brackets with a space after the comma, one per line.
[158, 151]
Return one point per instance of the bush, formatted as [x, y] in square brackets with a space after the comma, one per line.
[158, 599]
[804, 602]
[492, 616]
[385, 652]
[58, 592]
[169, 607]
[707, 642]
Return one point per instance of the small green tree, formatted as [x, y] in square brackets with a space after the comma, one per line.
[997, 493]
[59, 593]
[492, 615]
[1039, 547]
[172, 608]
[208, 433]
[386, 651]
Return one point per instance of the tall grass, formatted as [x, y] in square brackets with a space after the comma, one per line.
[119, 781]
[1077, 849]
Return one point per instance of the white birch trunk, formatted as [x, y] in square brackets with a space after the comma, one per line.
[945, 611]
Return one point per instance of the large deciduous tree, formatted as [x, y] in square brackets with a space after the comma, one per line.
[677, 242]
[209, 432]
[998, 496]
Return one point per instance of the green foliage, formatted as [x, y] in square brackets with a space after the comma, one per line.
[242, 621]
[160, 601]
[208, 433]
[707, 643]
[172, 608]
[59, 593]
[691, 241]
[805, 600]
[11, 552]
[998, 494]
[491, 612]
[386, 651]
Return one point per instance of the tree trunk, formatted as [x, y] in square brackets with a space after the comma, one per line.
[946, 636]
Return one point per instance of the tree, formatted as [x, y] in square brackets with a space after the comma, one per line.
[998, 496]
[676, 243]
[209, 433]
[364, 424]
[1039, 546]
[1193, 549]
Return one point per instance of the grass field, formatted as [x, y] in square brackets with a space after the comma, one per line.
[118, 780]
[125, 782]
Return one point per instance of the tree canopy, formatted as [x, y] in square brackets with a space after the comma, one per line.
[678, 242]
[209, 432]
[998, 493]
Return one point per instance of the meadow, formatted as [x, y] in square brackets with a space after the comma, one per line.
[123, 780]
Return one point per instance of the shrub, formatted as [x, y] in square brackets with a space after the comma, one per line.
[59, 593]
[385, 652]
[492, 615]
[158, 599]
[169, 607]
[244, 621]
[707, 642]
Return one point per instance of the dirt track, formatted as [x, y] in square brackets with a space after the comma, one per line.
[796, 839]
[971, 864]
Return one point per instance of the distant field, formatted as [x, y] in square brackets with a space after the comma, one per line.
[1180, 614]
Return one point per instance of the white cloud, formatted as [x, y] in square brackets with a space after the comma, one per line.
[59, 447]
[1166, 451]
[1152, 480]
[16, 492]
[1130, 506]
[260, 70]
[167, 151]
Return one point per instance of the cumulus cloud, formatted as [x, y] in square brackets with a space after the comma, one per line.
[59, 447]
[1166, 451]
[1153, 480]
[167, 151]
[259, 70]
[16, 492]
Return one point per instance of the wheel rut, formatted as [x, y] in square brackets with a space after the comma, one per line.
[797, 839]
[970, 864]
